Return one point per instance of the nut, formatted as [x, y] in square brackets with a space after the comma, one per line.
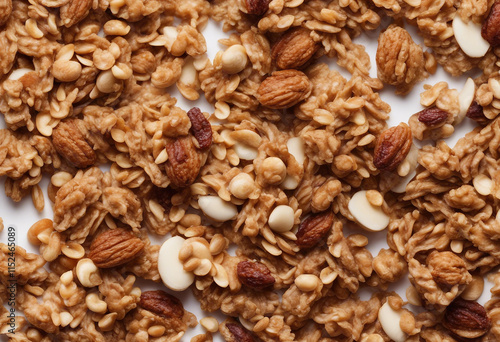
[70, 143]
[171, 270]
[475, 112]
[87, 273]
[234, 59]
[162, 304]
[469, 37]
[491, 27]
[392, 147]
[217, 209]
[284, 88]
[314, 228]
[200, 128]
[432, 116]
[235, 332]
[114, 247]
[307, 282]
[74, 11]
[367, 215]
[257, 7]
[281, 219]
[448, 269]
[96, 304]
[389, 319]
[183, 164]
[466, 318]
[66, 71]
[242, 186]
[5, 10]
[210, 324]
[254, 275]
[294, 49]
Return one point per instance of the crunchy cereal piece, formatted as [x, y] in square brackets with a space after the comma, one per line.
[400, 62]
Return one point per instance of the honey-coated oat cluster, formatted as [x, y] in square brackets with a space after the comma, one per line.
[291, 157]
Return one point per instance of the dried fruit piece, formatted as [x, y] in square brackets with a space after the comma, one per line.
[235, 332]
[74, 11]
[5, 10]
[294, 49]
[313, 229]
[475, 112]
[432, 116]
[114, 247]
[200, 127]
[392, 147]
[491, 27]
[466, 318]
[254, 275]
[257, 7]
[70, 143]
[183, 164]
[284, 88]
[162, 304]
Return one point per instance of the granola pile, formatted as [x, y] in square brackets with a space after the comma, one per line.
[256, 199]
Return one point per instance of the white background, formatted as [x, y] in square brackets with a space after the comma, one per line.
[22, 215]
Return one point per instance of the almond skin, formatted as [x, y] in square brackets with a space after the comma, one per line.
[294, 49]
[254, 275]
[70, 143]
[114, 247]
[466, 318]
[491, 26]
[162, 304]
[392, 147]
[183, 164]
[284, 89]
[313, 229]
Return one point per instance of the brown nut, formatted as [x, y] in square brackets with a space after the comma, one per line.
[491, 26]
[74, 11]
[5, 10]
[254, 275]
[284, 88]
[392, 147]
[466, 318]
[432, 116]
[183, 164]
[233, 331]
[114, 247]
[475, 112]
[448, 269]
[70, 143]
[257, 7]
[162, 304]
[200, 128]
[294, 49]
[313, 229]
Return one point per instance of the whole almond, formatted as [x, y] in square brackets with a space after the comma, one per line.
[392, 147]
[5, 10]
[254, 275]
[466, 318]
[284, 89]
[294, 49]
[432, 116]
[313, 229]
[70, 143]
[162, 304]
[491, 26]
[233, 331]
[183, 164]
[114, 247]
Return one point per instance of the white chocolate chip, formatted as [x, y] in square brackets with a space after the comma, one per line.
[389, 319]
[483, 184]
[242, 185]
[281, 219]
[465, 99]
[296, 149]
[217, 209]
[170, 267]
[369, 216]
[245, 152]
[469, 38]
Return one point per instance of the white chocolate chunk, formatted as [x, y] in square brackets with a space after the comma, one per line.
[469, 38]
[389, 319]
[234, 59]
[242, 185]
[281, 219]
[170, 267]
[245, 152]
[369, 216]
[217, 209]
[296, 149]
[483, 184]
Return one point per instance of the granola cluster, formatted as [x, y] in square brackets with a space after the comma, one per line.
[293, 155]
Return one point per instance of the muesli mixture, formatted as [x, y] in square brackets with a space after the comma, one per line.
[291, 157]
